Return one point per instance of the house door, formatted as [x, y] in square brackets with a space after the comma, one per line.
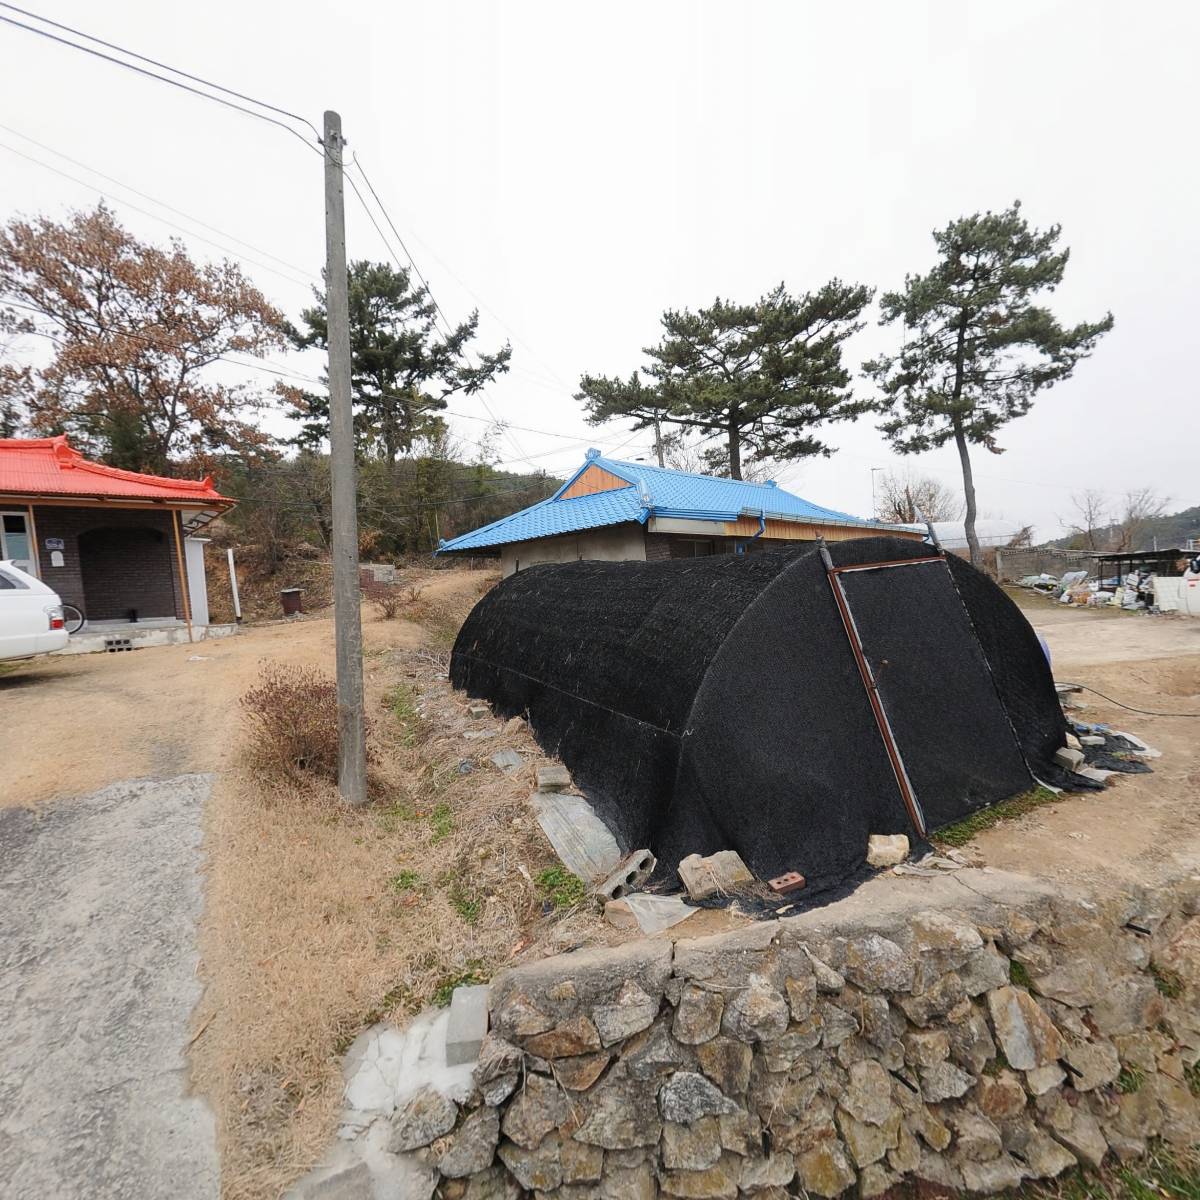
[15, 542]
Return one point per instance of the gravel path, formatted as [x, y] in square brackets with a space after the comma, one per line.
[99, 900]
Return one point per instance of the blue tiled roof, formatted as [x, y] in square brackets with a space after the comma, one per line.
[652, 491]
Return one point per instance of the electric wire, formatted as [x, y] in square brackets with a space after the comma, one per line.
[1145, 712]
[161, 78]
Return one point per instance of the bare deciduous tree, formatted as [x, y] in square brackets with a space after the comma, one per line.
[907, 498]
[1139, 508]
[1092, 528]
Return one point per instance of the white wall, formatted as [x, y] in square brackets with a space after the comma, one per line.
[615, 544]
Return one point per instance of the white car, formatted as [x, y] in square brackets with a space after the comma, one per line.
[31, 615]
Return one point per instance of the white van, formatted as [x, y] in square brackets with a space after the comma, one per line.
[31, 615]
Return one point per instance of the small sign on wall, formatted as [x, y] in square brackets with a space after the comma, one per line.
[55, 544]
[56, 558]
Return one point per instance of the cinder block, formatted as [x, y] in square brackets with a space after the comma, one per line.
[468, 1024]
[1069, 759]
[628, 875]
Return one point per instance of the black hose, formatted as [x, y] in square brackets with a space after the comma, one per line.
[1145, 712]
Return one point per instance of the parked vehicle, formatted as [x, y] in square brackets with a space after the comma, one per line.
[31, 615]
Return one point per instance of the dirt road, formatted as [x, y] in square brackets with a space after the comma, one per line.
[1142, 828]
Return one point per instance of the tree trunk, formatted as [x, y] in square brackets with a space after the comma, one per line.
[964, 457]
[735, 450]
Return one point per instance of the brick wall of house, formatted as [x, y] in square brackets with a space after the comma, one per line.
[114, 560]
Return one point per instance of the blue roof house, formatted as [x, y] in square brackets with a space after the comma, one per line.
[616, 510]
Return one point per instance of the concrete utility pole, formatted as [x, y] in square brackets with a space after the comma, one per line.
[347, 619]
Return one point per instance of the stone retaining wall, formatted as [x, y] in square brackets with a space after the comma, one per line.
[1001, 1036]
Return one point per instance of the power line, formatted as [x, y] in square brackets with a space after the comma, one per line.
[161, 78]
[162, 203]
[146, 212]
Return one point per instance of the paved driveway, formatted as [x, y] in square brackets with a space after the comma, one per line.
[99, 900]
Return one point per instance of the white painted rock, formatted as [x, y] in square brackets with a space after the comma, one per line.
[886, 849]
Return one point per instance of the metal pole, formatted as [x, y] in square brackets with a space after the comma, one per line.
[237, 600]
[347, 620]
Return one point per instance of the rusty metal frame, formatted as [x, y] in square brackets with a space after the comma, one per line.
[907, 794]
[891, 562]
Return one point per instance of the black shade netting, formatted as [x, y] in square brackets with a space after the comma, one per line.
[715, 703]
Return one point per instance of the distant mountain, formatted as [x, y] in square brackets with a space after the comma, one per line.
[1167, 532]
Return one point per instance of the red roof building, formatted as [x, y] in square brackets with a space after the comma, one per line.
[119, 545]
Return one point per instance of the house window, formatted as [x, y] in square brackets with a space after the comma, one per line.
[14, 541]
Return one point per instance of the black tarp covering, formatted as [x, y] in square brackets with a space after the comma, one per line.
[715, 703]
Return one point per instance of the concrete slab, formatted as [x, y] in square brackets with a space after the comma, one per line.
[99, 899]
[579, 837]
[468, 1023]
[554, 778]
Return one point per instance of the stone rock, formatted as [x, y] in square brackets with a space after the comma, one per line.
[971, 1045]
[926, 1047]
[698, 1017]
[932, 1132]
[539, 1107]
[496, 1057]
[575, 1036]
[975, 1137]
[934, 930]
[630, 1013]
[836, 1023]
[473, 1145]
[875, 1180]
[1091, 1064]
[1137, 1050]
[694, 1147]
[886, 849]
[756, 1014]
[727, 1063]
[341, 1180]
[1043, 1157]
[824, 1170]
[536, 1168]
[944, 1081]
[983, 971]
[1074, 981]
[935, 1001]
[905, 1156]
[619, 1115]
[1084, 1139]
[499, 1089]
[422, 1118]
[868, 1143]
[654, 1052]
[1138, 1114]
[868, 1098]
[786, 1051]
[1025, 1033]
[828, 980]
[578, 1074]
[776, 1170]
[553, 778]
[580, 1162]
[687, 1097]
[877, 964]
[1041, 1080]
[629, 1183]
[1000, 1174]
[1000, 1097]
[721, 872]
[516, 1016]
[493, 1184]
[726, 961]
[1181, 1113]
[741, 1132]
[719, 1182]
[801, 995]
[1128, 1005]
[939, 1171]
[781, 1097]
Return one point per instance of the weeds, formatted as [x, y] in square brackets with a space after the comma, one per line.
[1130, 1080]
[468, 907]
[961, 832]
[404, 881]
[292, 714]
[1164, 1174]
[402, 704]
[444, 991]
[1168, 982]
[1018, 975]
[1191, 1076]
[441, 821]
[560, 887]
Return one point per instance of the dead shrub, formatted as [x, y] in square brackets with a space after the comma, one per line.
[387, 605]
[292, 713]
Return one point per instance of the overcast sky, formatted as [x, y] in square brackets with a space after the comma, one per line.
[573, 170]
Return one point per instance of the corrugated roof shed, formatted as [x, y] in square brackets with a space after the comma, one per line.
[651, 491]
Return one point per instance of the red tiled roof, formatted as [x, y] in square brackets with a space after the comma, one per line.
[49, 467]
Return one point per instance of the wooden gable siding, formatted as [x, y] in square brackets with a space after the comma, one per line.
[806, 530]
[593, 480]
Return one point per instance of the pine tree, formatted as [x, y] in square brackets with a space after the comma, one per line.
[977, 348]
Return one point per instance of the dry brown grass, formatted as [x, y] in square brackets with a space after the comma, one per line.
[321, 921]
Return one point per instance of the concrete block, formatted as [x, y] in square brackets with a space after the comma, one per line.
[886, 849]
[1091, 739]
[720, 872]
[554, 778]
[509, 761]
[478, 711]
[1069, 759]
[628, 875]
[468, 1024]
